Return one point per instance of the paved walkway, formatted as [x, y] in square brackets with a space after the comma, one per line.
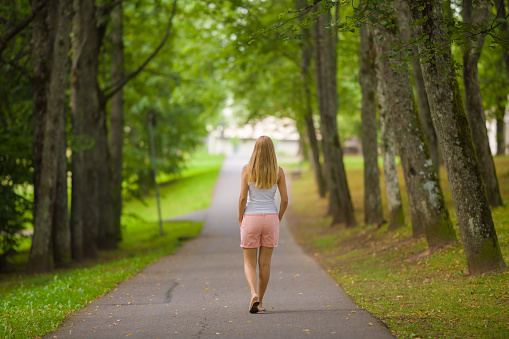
[201, 291]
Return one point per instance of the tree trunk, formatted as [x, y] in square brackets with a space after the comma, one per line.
[424, 193]
[407, 33]
[321, 98]
[308, 109]
[117, 118]
[86, 115]
[61, 227]
[372, 197]
[473, 104]
[325, 66]
[315, 153]
[500, 130]
[41, 56]
[77, 160]
[451, 124]
[40, 259]
[107, 235]
[387, 145]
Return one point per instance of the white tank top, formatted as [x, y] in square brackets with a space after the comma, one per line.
[260, 200]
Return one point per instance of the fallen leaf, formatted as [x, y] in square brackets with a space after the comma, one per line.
[370, 324]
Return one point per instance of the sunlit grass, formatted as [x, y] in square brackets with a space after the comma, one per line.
[190, 191]
[394, 277]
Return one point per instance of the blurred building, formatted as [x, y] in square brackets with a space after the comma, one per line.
[240, 140]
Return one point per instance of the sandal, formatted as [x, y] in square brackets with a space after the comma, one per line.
[253, 306]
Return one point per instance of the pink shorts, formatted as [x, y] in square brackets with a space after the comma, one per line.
[259, 230]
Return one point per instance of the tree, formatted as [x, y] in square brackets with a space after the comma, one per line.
[340, 203]
[427, 207]
[52, 146]
[387, 146]
[451, 125]
[474, 103]
[117, 116]
[308, 107]
[88, 125]
[372, 197]
[407, 34]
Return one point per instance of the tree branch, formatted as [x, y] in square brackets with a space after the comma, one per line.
[20, 69]
[106, 9]
[19, 27]
[109, 92]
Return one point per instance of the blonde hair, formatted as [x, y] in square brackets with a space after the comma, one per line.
[262, 167]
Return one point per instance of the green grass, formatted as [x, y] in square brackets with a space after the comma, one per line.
[393, 276]
[31, 306]
[188, 192]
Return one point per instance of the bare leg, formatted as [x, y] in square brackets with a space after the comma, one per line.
[264, 270]
[250, 268]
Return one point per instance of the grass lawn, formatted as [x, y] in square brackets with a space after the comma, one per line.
[392, 275]
[31, 306]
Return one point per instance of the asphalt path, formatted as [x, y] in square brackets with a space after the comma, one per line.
[201, 291]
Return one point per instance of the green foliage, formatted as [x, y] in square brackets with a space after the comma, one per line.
[264, 74]
[15, 132]
[178, 86]
[494, 80]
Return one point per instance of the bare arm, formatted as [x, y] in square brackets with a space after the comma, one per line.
[243, 194]
[283, 192]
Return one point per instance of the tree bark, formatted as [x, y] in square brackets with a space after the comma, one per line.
[86, 116]
[41, 56]
[387, 145]
[340, 205]
[469, 195]
[40, 258]
[308, 108]
[117, 117]
[77, 161]
[372, 197]
[61, 232]
[500, 130]
[407, 33]
[473, 103]
[425, 195]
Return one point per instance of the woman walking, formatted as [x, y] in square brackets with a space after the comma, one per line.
[258, 216]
